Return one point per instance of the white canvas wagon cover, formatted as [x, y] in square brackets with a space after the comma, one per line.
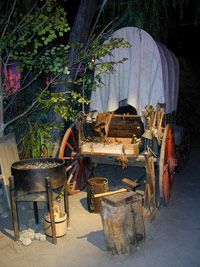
[150, 75]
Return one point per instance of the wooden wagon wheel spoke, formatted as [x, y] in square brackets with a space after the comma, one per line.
[67, 144]
[75, 163]
[68, 168]
[71, 182]
[68, 158]
[167, 165]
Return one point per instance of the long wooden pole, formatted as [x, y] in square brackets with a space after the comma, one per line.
[1, 102]
[110, 193]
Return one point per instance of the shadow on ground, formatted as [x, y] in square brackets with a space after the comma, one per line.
[96, 238]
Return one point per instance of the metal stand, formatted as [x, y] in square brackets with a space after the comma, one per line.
[44, 197]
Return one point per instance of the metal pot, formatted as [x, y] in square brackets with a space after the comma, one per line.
[29, 175]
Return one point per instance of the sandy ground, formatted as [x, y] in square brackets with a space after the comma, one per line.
[172, 238]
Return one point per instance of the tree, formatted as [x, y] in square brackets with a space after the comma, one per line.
[26, 41]
[34, 44]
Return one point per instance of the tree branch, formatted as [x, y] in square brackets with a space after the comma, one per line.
[9, 17]
[29, 109]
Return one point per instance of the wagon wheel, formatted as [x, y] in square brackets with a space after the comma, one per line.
[167, 165]
[183, 152]
[77, 167]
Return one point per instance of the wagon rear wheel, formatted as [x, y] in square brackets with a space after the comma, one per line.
[167, 165]
[77, 167]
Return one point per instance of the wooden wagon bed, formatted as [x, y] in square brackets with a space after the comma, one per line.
[108, 138]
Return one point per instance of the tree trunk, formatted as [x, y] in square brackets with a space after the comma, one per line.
[79, 33]
[118, 223]
[82, 24]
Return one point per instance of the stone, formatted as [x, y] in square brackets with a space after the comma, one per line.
[26, 241]
[40, 237]
[43, 238]
[27, 234]
[31, 233]
[37, 236]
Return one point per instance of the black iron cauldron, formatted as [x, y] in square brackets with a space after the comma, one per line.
[29, 175]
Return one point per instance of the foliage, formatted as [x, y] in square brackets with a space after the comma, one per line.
[37, 141]
[28, 35]
[37, 41]
[68, 103]
[34, 40]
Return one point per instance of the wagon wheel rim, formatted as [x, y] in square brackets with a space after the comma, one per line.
[165, 184]
[167, 165]
[75, 163]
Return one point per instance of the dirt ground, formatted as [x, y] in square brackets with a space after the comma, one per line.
[172, 238]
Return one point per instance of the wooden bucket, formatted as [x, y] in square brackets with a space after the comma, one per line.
[60, 225]
[96, 185]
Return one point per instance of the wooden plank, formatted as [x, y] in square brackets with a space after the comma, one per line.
[127, 115]
[109, 149]
[8, 155]
[92, 147]
[119, 140]
[103, 122]
[150, 190]
[112, 160]
[130, 183]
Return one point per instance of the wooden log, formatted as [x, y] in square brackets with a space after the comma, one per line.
[118, 223]
[138, 217]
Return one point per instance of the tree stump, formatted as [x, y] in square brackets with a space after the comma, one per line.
[138, 217]
[118, 222]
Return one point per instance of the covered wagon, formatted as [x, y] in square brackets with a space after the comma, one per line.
[130, 121]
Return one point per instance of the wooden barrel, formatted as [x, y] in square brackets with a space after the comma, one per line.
[96, 185]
